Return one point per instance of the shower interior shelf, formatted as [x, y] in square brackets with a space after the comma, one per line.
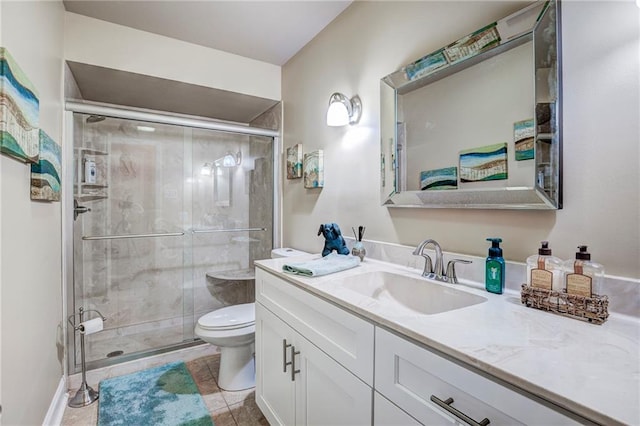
[89, 191]
[233, 275]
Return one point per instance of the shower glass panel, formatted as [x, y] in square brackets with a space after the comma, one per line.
[169, 222]
[232, 216]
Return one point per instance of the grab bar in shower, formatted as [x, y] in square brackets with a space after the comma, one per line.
[116, 237]
[209, 231]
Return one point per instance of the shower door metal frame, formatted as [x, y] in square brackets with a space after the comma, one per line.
[138, 114]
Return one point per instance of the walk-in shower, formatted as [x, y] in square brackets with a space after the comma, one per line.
[161, 212]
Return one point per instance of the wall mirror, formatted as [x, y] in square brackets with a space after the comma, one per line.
[477, 124]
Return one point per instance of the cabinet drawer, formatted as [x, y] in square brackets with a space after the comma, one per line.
[343, 336]
[409, 374]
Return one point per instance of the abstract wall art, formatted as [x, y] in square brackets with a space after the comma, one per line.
[446, 178]
[45, 174]
[484, 163]
[19, 112]
[294, 161]
[314, 169]
[523, 133]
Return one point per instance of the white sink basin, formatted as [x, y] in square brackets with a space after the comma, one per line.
[416, 294]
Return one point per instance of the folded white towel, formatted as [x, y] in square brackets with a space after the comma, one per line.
[329, 264]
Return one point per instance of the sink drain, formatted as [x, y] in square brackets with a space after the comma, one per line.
[114, 353]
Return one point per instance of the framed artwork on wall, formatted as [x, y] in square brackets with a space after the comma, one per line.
[294, 161]
[46, 173]
[19, 112]
[314, 169]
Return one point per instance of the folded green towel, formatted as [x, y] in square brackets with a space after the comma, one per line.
[329, 264]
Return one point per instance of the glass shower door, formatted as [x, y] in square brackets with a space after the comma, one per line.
[129, 245]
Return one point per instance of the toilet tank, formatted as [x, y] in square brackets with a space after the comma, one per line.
[286, 252]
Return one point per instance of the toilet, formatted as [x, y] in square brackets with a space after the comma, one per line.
[232, 329]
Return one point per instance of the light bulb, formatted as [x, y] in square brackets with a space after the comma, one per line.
[337, 114]
[228, 161]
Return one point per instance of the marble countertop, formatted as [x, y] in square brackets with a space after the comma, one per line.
[591, 370]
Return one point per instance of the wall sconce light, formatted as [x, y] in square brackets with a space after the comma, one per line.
[343, 111]
[229, 160]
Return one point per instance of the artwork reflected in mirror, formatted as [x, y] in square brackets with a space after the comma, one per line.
[438, 179]
[523, 137]
[484, 163]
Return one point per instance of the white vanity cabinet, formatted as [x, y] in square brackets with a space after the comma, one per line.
[422, 383]
[385, 413]
[309, 380]
[315, 366]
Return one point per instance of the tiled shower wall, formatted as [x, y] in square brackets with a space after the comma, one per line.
[261, 199]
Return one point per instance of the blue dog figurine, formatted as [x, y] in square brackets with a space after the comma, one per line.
[333, 239]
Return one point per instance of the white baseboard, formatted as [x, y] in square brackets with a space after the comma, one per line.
[57, 406]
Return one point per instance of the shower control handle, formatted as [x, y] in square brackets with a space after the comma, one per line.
[284, 355]
[78, 209]
[293, 363]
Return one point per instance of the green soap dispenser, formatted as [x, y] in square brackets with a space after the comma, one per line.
[494, 273]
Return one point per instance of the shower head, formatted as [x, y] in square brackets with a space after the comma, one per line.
[95, 118]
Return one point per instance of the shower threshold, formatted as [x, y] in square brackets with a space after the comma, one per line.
[125, 357]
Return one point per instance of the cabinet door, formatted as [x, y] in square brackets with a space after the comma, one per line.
[275, 391]
[326, 392]
[385, 413]
[340, 334]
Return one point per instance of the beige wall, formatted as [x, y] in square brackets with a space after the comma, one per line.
[30, 234]
[601, 154]
[95, 42]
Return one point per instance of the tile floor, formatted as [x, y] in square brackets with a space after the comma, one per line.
[227, 408]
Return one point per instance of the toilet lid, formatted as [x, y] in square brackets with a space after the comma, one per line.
[235, 316]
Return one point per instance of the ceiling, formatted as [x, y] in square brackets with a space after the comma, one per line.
[268, 31]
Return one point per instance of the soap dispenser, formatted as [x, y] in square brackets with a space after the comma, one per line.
[494, 273]
[544, 270]
[583, 277]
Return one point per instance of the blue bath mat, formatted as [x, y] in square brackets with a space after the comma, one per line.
[165, 395]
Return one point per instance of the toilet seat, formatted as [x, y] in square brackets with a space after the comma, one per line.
[229, 318]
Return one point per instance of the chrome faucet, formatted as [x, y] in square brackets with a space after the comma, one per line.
[437, 271]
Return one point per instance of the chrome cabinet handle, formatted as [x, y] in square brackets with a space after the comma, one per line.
[284, 355]
[293, 363]
[446, 404]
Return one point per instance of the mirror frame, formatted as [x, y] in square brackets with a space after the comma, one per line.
[545, 191]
